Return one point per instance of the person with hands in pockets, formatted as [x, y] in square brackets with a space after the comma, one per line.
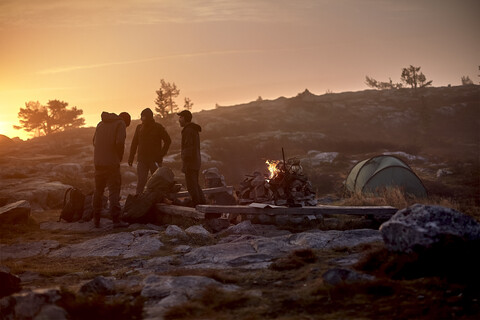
[150, 142]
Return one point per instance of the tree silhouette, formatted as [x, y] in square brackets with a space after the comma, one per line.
[53, 117]
[410, 76]
[381, 85]
[165, 98]
[161, 108]
[414, 78]
[188, 105]
[466, 81]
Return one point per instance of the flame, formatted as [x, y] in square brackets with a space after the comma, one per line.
[273, 167]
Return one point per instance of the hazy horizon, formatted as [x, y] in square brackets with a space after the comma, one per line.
[99, 56]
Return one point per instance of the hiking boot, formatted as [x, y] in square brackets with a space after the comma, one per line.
[120, 224]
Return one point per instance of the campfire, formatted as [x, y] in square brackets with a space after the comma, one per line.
[284, 185]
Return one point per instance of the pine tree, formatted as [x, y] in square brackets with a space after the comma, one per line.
[53, 117]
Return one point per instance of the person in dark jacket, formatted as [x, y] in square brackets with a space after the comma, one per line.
[152, 141]
[109, 147]
[191, 159]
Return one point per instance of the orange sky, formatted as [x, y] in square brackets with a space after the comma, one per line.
[110, 55]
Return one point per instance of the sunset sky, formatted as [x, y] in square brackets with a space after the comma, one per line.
[104, 55]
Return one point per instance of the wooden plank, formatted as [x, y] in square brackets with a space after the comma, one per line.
[321, 209]
[206, 191]
[180, 211]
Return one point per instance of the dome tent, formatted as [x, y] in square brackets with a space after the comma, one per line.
[370, 175]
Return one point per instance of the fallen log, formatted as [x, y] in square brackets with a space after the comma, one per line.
[280, 210]
[286, 217]
[186, 212]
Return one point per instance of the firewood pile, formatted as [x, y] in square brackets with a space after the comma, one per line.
[286, 185]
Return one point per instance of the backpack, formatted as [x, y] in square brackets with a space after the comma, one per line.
[73, 204]
[137, 207]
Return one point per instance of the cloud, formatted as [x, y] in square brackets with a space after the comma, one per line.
[9, 94]
[54, 13]
[127, 62]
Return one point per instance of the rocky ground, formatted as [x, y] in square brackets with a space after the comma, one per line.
[59, 270]
[167, 265]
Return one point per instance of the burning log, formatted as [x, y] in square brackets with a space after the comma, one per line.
[253, 189]
[285, 185]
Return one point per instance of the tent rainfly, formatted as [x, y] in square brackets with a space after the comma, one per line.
[379, 172]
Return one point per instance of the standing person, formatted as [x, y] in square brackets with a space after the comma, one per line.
[152, 141]
[109, 146]
[191, 159]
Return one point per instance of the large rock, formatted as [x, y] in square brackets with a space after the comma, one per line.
[29, 305]
[257, 252]
[244, 227]
[174, 231]
[123, 244]
[22, 250]
[421, 226]
[15, 213]
[41, 194]
[198, 231]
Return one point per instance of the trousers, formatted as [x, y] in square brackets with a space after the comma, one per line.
[193, 187]
[110, 177]
[143, 167]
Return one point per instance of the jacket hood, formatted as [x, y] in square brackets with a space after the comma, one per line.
[109, 117]
[193, 126]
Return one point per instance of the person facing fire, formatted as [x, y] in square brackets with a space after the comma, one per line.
[109, 146]
[191, 159]
[152, 141]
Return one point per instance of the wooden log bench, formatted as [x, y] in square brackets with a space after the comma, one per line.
[281, 210]
[302, 217]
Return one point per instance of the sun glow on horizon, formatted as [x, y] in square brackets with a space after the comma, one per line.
[220, 53]
[6, 128]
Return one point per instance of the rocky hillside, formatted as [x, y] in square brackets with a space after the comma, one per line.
[435, 131]
[431, 131]
[420, 264]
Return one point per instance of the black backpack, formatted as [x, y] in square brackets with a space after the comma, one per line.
[73, 204]
[137, 207]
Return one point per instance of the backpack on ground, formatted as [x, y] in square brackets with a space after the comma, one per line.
[73, 204]
[137, 207]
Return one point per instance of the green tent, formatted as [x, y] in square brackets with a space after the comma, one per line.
[371, 175]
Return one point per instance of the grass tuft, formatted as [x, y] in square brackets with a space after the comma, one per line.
[295, 260]
[210, 304]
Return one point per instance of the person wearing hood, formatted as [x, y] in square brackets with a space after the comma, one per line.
[191, 159]
[152, 141]
[109, 147]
